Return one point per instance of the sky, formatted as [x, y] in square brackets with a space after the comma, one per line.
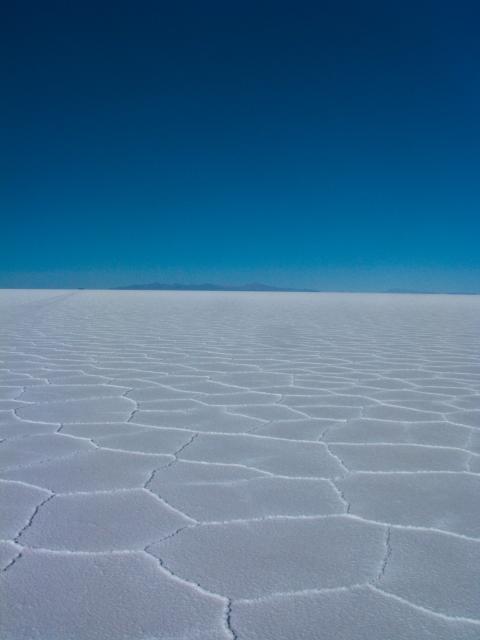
[329, 145]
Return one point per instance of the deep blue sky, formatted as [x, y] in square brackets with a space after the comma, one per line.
[333, 145]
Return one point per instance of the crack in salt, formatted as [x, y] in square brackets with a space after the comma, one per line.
[32, 517]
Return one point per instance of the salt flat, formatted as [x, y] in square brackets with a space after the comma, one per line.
[239, 465]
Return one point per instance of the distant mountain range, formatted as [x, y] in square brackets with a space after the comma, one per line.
[259, 286]
[208, 286]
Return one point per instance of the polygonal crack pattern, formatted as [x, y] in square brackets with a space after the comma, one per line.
[239, 466]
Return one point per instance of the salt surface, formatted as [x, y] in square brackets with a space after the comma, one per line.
[239, 466]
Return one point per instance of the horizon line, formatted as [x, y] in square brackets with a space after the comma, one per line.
[247, 288]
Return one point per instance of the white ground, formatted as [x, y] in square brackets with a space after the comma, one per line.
[251, 466]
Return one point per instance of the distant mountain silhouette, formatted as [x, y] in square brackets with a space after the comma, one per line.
[208, 286]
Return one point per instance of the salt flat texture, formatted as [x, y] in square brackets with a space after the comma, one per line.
[239, 466]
